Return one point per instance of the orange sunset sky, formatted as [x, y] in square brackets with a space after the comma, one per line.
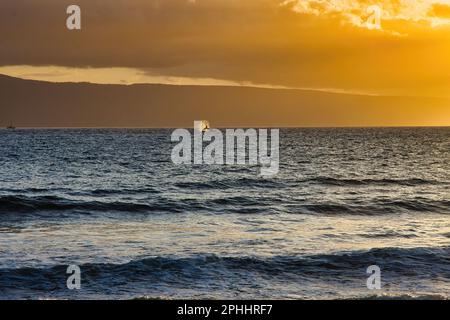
[321, 45]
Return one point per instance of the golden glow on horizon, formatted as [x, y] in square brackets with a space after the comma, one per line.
[115, 75]
[130, 76]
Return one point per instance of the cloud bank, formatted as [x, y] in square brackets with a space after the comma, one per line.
[313, 44]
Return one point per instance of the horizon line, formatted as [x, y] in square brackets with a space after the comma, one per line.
[228, 127]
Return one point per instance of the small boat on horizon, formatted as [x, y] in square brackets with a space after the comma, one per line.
[205, 125]
[202, 125]
[10, 127]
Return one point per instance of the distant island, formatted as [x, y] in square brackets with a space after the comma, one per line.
[43, 104]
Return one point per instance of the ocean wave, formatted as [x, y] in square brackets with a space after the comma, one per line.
[123, 191]
[381, 297]
[25, 204]
[257, 204]
[375, 207]
[366, 182]
[239, 183]
[398, 264]
[389, 234]
[403, 296]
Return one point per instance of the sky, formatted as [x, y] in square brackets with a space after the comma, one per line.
[324, 45]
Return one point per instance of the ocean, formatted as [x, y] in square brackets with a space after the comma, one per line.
[139, 227]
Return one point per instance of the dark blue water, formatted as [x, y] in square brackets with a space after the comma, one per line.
[112, 202]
